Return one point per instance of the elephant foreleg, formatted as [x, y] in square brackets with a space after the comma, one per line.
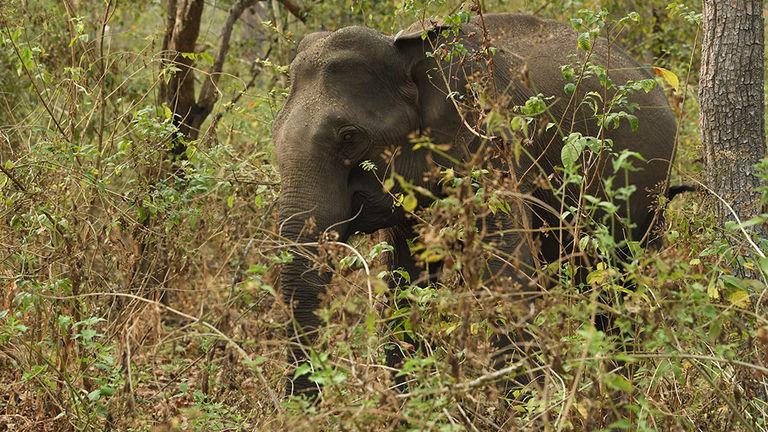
[510, 271]
[402, 261]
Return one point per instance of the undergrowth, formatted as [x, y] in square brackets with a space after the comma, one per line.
[140, 293]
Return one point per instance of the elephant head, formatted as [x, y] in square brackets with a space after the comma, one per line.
[352, 98]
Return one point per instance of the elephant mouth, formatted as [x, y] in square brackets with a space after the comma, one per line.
[371, 213]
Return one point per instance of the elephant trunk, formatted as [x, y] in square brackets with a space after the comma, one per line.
[307, 209]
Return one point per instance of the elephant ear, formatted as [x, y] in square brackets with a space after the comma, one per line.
[418, 39]
[413, 45]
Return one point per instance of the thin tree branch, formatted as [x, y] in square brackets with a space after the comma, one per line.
[32, 81]
[170, 23]
[208, 93]
[296, 9]
[256, 71]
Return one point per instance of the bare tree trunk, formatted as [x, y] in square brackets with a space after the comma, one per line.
[181, 87]
[731, 94]
[182, 30]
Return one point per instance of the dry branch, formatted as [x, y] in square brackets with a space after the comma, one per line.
[208, 93]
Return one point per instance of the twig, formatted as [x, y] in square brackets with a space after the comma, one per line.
[32, 81]
[208, 93]
[735, 216]
[246, 357]
[13, 178]
[256, 71]
[489, 377]
[295, 9]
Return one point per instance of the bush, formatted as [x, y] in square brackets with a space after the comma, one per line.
[139, 292]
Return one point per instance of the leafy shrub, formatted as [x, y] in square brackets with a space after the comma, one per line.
[138, 293]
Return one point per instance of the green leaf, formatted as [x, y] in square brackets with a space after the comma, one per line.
[380, 248]
[303, 369]
[534, 106]
[763, 263]
[255, 361]
[621, 424]
[410, 202]
[284, 257]
[257, 269]
[634, 123]
[648, 85]
[403, 274]
[568, 72]
[94, 395]
[517, 123]
[585, 42]
[88, 334]
[584, 243]
[574, 146]
[618, 382]
[268, 289]
[733, 281]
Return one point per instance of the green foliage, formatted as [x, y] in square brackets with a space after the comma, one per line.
[118, 264]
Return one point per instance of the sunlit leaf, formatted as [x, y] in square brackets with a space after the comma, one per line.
[618, 382]
[585, 42]
[713, 292]
[410, 202]
[303, 369]
[668, 76]
[739, 298]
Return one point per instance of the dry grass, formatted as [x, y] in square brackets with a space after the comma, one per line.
[132, 298]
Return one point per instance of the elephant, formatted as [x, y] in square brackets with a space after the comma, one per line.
[356, 93]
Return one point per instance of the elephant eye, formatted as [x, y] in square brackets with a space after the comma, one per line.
[348, 134]
[352, 144]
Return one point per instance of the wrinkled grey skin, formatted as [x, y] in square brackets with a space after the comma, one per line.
[356, 93]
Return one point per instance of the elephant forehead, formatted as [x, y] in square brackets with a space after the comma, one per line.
[346, 48]
[309, 66]
[361, 39]
[314, 110]
[346, 75]
[345, 63]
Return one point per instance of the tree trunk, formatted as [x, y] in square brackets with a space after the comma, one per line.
[180, 95]
[731, 94]
[182, 30]
[183, 19]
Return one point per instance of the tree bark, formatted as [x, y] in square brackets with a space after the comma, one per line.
[731, 94]
[180, 95]
[182, 30]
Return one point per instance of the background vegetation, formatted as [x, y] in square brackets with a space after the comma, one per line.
[139, 294]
